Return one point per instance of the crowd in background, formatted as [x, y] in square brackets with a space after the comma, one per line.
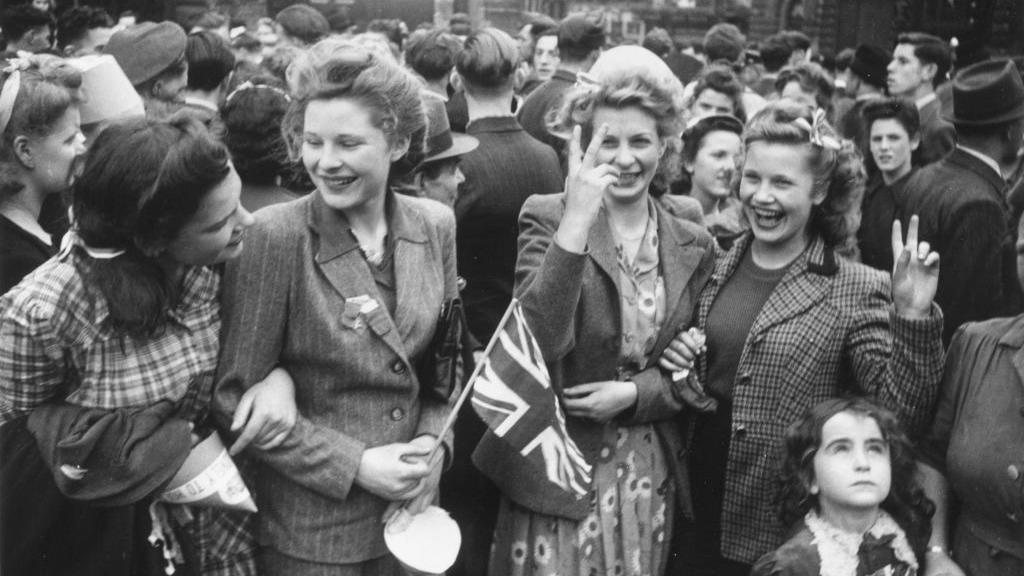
[778, 294]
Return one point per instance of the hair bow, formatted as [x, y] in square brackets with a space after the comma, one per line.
[587, 82]
[9, 93]
[816, 131]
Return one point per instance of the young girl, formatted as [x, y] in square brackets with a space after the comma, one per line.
[849, 475]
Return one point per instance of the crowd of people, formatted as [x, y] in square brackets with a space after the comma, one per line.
[778, 295]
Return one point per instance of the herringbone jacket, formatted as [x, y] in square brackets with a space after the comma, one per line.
[829, 328]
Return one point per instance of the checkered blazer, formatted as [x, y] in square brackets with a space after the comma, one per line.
[829, 328]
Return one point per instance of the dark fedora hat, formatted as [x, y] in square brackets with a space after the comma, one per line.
[441, 142]
[870, 63]
[987, 93]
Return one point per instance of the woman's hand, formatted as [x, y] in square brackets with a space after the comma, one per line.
[584, 190]
[682, 351]
[915, 274]
[266, 412]
[600, 401]
[428, 485]
[394, 471]
[940, 564]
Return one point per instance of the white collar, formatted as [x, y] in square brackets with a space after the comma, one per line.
[200, 103]
[838, 548]
[984, 158]
[925, 100]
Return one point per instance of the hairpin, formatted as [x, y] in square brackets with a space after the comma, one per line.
[816, 131]
[248, 85]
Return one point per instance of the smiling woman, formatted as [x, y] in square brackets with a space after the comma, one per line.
[606, 274]
[344, 288]
[789, 322]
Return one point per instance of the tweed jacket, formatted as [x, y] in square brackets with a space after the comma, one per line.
[571, 302]
[829, 328]
[964, 215]
[288, 301]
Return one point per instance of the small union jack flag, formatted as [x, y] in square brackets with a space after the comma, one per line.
[513, 396]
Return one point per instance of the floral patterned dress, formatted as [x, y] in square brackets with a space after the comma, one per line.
[627, 530]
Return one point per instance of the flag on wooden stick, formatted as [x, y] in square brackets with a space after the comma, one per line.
[512, 394]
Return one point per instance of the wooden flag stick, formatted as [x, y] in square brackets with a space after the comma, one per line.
[472, 380]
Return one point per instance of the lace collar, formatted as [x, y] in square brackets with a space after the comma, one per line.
[839, 549]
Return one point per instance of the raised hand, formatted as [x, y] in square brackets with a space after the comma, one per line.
[584, 190]
[915, 274]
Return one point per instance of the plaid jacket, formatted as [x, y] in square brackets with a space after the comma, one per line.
[829, 328]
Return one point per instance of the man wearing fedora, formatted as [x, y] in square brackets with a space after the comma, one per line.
[919, 63]
[865, 81]
[960, 199]
[438, 175]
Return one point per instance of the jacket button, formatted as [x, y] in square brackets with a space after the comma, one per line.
[740, 430]
[745, 378]
[397, 414]
[398, 367]
[1013, 517]
[1013, 472]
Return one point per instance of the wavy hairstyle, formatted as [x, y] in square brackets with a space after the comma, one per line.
[723, 80]
[906, 501]
[143, 180]
[637, 88]
[335, 69]
[46, 90]
[839, 174]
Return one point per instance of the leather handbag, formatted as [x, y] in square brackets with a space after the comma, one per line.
[450, 355]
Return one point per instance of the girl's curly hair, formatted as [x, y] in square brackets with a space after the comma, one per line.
[906, 501]
[838, 173]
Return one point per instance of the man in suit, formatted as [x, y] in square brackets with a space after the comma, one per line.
[507, 167]
[579, 44]
[919, 63]
[960, 199]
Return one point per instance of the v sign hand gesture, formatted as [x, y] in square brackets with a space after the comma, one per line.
[584, 190]
[915, 274]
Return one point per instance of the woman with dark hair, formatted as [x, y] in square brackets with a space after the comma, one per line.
[252, 115]
[789, 322]
[606, 273]
[344, 288]
[717, 91]
[850, 495]
[712, 157]
[114, 342]
[40, 139]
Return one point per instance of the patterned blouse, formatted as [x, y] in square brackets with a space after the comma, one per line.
[642, 289]
[55, 339]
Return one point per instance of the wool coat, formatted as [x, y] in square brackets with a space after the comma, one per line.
[296, 298]
[829, 328]
[964, 216]
[571, 302]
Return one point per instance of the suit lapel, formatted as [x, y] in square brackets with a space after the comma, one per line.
[601, 246]
[803, 285]
[679, 256]
[339, 258]
[410, 238]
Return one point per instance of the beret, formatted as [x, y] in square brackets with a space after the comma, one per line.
[145, 50]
